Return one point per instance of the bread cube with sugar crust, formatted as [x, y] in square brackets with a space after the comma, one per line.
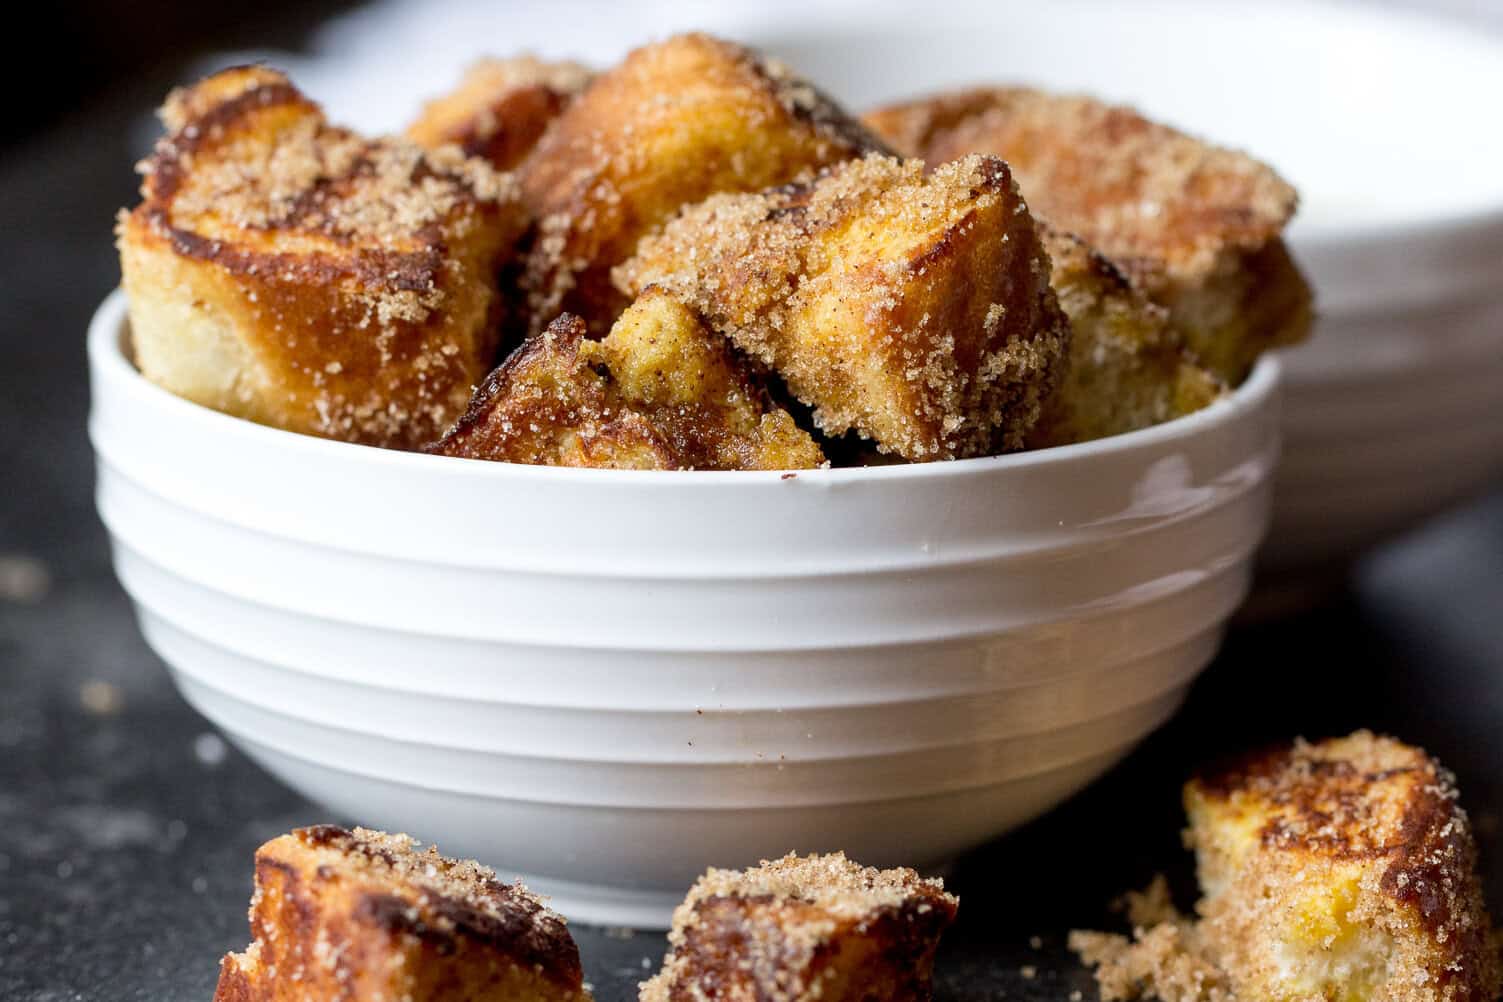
[803, 928]
[285, 270]
[500, 108]
[676, 121]
[659, 392]
[914, 308]
[1341, 870]
[363, 916]
[1197, 227]
[1127, 368]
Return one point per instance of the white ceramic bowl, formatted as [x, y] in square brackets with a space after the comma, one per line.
[1379, 115]
[604, 681]
[1394, 410]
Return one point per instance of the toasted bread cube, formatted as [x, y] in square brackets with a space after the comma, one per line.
[1127, 368]
[914, 309]
[501, 108]
[1339, 871]
[660, 393]
[676, 121]
[1342, 870]
[804, 928]
[363, 916]
[290, 272]
[547, 406]
[1197, 227]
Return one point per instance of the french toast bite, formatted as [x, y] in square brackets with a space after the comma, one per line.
[913, 308]
[1339, 871]
[363, 916]
[501, 108]
[285, 270]
[660, 392]
[804, 928]
[1127, 368]
[1197, 227]
[676, 121]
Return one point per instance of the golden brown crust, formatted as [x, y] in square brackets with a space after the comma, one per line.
[915, 309]
[1196, 226]
[1353, 848]
[501, 108]
[660, 392]
[288, 271]
[814, 927]
[1340, 871]
[676, 121]
[1362, 798]
[364, 916]
[1128, 369]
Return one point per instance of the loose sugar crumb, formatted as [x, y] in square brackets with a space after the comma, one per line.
[363, 270]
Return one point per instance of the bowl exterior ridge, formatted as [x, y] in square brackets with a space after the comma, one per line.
[586, 681]
[713, 734]
[880, 608]
[655, 680]
[629, 882]
[687, 788]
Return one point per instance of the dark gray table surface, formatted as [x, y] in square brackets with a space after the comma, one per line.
[127, 826]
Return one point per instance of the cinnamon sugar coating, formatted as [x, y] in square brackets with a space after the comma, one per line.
[1127, 368]
[913, 308]
[676, 121]
[364, 916]
[288, 271]
[1341, 871]
[501, 108]
[659, 393]
[1196, 226]
[804, 928]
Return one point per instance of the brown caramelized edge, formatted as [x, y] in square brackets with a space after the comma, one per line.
[407, 271]
[545, 946]
[1432, 844]
[566, 331]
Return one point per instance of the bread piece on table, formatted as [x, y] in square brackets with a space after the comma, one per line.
[1341, 870]
[660, 392]
[1196, 226]
[676, 121]
[913, 308]
[501, 108]
[1127, 368]
[291, 272]
[804, 928]
[363, 916]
